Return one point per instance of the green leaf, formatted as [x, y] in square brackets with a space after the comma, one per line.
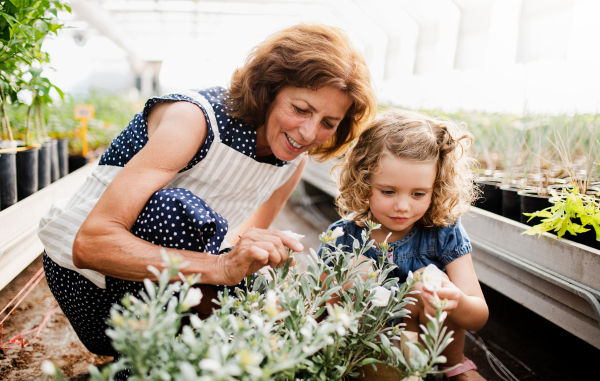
[368, 361]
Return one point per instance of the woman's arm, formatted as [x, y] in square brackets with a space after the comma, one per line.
[104, 243]
[264, 216]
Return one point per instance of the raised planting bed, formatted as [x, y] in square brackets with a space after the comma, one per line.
[556, 278]
[19, 244]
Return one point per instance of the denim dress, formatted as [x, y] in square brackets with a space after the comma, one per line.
[420, 247]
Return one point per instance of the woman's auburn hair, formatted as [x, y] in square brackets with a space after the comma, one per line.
[415, 137]
[307, 56]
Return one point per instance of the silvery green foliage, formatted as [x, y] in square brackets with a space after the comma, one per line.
[369, 341]
[275, 330]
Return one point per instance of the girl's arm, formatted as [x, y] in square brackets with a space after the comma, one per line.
[466, 305]
[104, 243]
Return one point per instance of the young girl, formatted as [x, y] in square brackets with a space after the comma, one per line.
[410, 173]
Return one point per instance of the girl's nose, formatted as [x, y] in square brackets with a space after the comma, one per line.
[402, 205]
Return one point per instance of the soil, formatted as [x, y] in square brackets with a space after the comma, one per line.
[57, 341]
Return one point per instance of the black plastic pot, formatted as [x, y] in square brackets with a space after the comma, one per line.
[511, 202]
[27, 172]
[532, 202]
[54, 164]
[44, 165]
[63, 157]
[588, 238]
[491, 195]
[76, 162]
[8, 179]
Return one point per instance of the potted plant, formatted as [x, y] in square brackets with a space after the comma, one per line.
[574, 215]
[23, 26]
[60, 128]
[540, 168]
[8, 160]
[40, 87]
[280, 330]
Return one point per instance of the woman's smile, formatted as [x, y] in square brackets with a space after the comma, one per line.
[293, 143]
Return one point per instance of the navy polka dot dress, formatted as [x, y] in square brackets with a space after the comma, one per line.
[174, 218]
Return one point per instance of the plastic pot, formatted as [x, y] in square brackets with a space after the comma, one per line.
[44, 165]
[491, 195]
[27, 172]
[54, 163]
[588, 238]
[511, 202]
[76, 162]
[63, 157]
[8, 179]
[532, 202]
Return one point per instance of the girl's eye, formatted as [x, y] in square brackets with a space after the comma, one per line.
[387, 192]
[419, 194]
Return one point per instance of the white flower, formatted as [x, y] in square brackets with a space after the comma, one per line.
[337, 233]
[337, 313]
[210, 365]
[48, 368]
[432, 278]
[382, 296]
[192, 298]
[304, 331]
[195, 321]
[410, 278]
[271, 306]
[295, 236]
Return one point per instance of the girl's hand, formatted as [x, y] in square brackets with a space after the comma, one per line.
[255, 249]
[448, 291]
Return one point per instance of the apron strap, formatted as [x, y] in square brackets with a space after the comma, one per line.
[207, 107]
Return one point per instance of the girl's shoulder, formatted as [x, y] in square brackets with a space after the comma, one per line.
[450, 241]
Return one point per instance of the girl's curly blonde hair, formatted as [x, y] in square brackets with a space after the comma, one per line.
[411, 136]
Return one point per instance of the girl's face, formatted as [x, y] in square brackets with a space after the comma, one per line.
[401, 192]
[300, 119]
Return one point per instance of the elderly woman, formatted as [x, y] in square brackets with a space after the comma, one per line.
[194, 160]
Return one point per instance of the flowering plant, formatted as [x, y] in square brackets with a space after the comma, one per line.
[278, 330]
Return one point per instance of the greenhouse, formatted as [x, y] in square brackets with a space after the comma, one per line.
[299, 190]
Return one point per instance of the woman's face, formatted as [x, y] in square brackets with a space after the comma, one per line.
[300, 119]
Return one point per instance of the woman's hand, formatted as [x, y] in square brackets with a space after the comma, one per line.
[255, 249]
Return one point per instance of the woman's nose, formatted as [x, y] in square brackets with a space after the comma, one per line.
[309, 129]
